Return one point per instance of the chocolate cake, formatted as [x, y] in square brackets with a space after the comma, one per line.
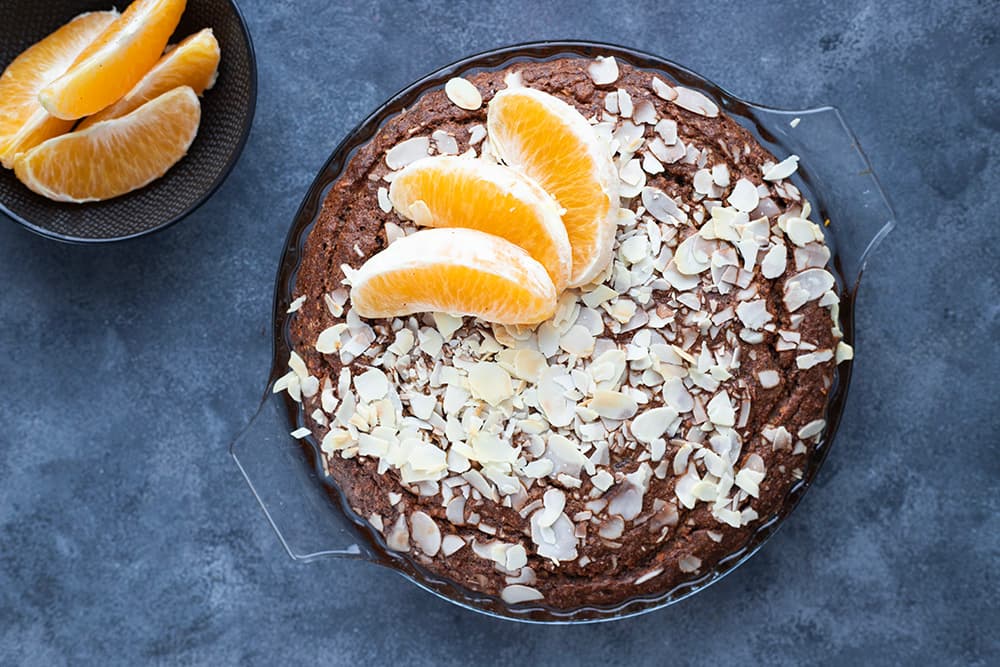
[635, 439]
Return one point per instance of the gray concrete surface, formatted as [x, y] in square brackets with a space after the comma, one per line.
[127, 536]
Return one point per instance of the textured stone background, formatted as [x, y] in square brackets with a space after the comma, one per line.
[128, 536]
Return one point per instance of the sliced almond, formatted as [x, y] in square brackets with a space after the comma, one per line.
[463, 93]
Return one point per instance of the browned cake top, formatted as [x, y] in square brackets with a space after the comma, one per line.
[636, 438]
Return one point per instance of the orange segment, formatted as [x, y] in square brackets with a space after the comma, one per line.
[457, 271]
[23, 122]
[115, 61]
[193, 63]
[555, 145]
[116, 156]
[459, 192]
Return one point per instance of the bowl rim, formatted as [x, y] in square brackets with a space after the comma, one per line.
[307, 214]
[196, 204]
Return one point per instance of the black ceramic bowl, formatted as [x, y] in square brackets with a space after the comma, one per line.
[227, 113]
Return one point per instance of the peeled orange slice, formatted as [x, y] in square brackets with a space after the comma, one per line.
[23, 122]
[555, 145]
[193, 63]
[445, 191]
[457, 271]
[114, 157]
[116, 61]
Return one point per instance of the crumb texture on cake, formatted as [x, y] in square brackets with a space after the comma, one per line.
[641, 434]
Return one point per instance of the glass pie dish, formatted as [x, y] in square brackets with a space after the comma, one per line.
[308, 511]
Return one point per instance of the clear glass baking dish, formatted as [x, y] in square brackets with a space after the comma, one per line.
[308, 512]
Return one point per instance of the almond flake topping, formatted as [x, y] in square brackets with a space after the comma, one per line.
[807, 286]
[663, 90]
[783, 169]
[625, 107]
[383, 200]
[653, 424]
[642, 365]
[463, 94]
[773, 264]
[604, 70]
[689, 564]
[491, 383]
[516, 593]
[425, 533]
[769, 379]
[694, 101]
[398, 537]
[613, 404]
[720, 410]
[407, 151]
[296, 304]
[744, 196]
[812, 429]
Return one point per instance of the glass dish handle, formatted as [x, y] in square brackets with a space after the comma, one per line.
[849, 194]
[288, 488]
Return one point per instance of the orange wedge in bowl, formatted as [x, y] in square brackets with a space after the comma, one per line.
[115, 62]
[457, 271]
[23, 122]
[116, 156]
[445, 191]
[193, 63]
[553, 144]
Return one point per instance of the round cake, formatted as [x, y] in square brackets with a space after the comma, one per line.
[634, 438]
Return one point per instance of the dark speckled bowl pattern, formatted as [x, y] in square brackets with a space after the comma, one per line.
[309, 513]
[227, 114]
